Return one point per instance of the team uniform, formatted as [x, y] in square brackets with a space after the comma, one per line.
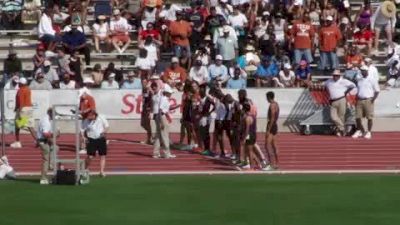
[273, 126]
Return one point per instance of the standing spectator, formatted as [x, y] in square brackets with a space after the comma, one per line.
[227, 47]
[196, 19]
[302, 36]
[150, 12]
[213, 21]
[180, 32]
[67, 83]
[153, 52]
[39, 58]
[185, 60]
[31, 12]
[236, 82]
[368, 91]
[133, 82]
[12, 64]
[175, 75]
[303, 74]
[286, 77]
[96, 134]
[240, 23]
[23, 112]
[110, 83]
[384, 18]
[266, 72]
[199, 73]
[119, 28]
[75, 40]
[101, 32]
[329, 37]
[47, 34]
[218, 72]
[50, 74]
[40, 83]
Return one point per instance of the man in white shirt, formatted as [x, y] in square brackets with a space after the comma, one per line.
[110, 83]
[119, 28]
[368, 91]
[45, 141]
[95, 132]
[199, 73]
[162, 119]
[46, 32]
[338, 88]
[372, 70]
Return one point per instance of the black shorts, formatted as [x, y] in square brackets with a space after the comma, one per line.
[274, 129]
[251, 140]
[219, 127]
[94, 145]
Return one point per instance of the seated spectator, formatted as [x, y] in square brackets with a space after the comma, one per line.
[47, 34]
[101, 33]
[175, 75]
[39, 58]
[286, 77]
[50, 74]
[63, 62]
[243, 73]
[199, 73]
[266, 72]
[97, 75]
[144, 64]
[119, 28]
[149, 31]
[31, 13]
[67, 83]
[363, 38]
[120, 4]
[268, 45]
[75, 65]
[153, 52]
[133, 82]
[40, 83]
[354, 57]
[75, 40]
[110, 83]
[13, 83]
[352, 72]
[303, 74]
[236, 82]
[218, 71]
[12, 64]
[59, 17]
[249, 61]
[11, 15]
[203, 55]
[281, 58]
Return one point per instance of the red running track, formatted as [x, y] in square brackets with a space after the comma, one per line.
[297, 152]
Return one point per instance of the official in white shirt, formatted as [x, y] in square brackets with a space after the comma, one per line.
[368, 91]
[45, 141]
[161, 108]
[95, 132]
[372, 70]
[338, 88]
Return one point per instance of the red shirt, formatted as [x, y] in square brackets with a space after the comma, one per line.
[303, 34]
[363, 36]
[23, 98]
[153, 33]
[85, 104]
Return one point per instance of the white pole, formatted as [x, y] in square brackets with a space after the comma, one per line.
[3, 119]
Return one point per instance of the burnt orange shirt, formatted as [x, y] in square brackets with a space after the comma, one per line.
[303, 34]
[354, 59]
[177, 75]
[23, 98]
[85, 104]
[329, 38]
[180, 32]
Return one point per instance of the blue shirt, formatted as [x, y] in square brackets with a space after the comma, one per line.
[270, 71]
[74, 39]
[218, 71]
[302, 73]
[136, 84]
[236, 84]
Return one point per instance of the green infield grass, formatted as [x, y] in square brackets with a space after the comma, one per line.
[203, 200]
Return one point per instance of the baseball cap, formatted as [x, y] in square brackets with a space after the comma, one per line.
[168, 89]
[219, 57]
[47, 63]
[112, 75]
[364, 67]
[175, 60]
[116, 12]
[287, 66]
[226, 29]
[23, 80]
[329, 18]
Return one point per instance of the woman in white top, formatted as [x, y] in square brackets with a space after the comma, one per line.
[286, 77]
[101, 32]
[199, 73]
[144, 64]
[279, 27]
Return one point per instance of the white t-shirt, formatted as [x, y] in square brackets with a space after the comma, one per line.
[286, 80]
[44, 127]
[120, 26]
[220, 110]
[145, 63]
[170, 14]
[45, 26]
[238, 20]
[336, 89]
[156, 102]
[71, 85]
[151, 51]
[97, 127]
[164, 104]
[107, 85]
[367, 87]
[101, 30]
[200, 75]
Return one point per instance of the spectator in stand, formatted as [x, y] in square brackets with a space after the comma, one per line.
[150, 13]
[76, 67]
[266, 73]
[59, 17]
[363, 17]
[249, 61]
[12, 84]
[75, 40]
[31, 12]
[101, 33]
[152, 48]
[372, 70]
[46, 32]
[39, 58]
[97, 75]
[329, 38]
[224, 9]
[287, 78]
[180, 32]
[120, 4]
[150, 31]
[227, 47]
[268, 45]
[243, 73]
[175, 75]
[220, 32]
[236, 82]
[329, 10]
[63, 62]
[23, 112]
[40, 83]
[133, 82]
[354, 57]
[50, 74]
[168, 12]
[185, 60]
[110, 83]
[119, 29]
[144, 64]
[384, 18]
[12, 64]
[352, 73]
[261, 25]
[199, 73]
[218, 72]
[303, 74]
[213, 21]
[67, 83]
[240, 23]
[302, 36]
[363, 38]
[203, 55]
[196, 18]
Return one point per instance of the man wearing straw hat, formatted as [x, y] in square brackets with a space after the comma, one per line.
[384, 18]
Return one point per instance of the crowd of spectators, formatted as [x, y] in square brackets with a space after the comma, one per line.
[228, 43]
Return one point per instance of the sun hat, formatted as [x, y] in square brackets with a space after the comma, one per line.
[388, 9]
[287, 66]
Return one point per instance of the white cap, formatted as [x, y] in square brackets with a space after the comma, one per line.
[364, 67]
[226, 29]
[287, 66]
[23, 80]
[154, 77]
[219, 57]
[116, 12]
[297, 2]
[175, 60]
[112, 75]
[345, 20]
[224, 1]
[329, 18]
[131, 74]
[88, 80]
[368, 60]
[168, 89]
[47, 63]
[266, 13]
